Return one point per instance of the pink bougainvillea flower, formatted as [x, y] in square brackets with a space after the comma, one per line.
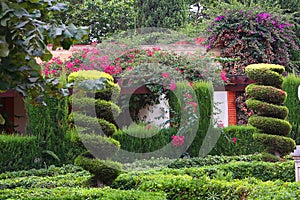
[70, 65]
[129, 68]
[191, 83]
[177, 140]
[156, 48]
[189, 96]
[173, 86]
[149, 127]
[165, 75]
[220, 124]
[234, 140]
[219, 18]
[199, 40]
[223, 76]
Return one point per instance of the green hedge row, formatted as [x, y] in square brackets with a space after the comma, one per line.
[185, 187]
[50, 171]
[264, 171]
[215, 160]
[19, 152]
[244, 143]
[78, 179]
[67, 193]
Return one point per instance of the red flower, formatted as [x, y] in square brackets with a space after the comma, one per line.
[173, 86]
[234, 140]
[165, 75]
[200, 40]
[223, 76]
[177, 140]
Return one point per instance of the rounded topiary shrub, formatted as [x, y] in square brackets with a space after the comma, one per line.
[264, 74]
[266, 109]
[277, 145]
[266, 93]
[104, 171]
[270, 125]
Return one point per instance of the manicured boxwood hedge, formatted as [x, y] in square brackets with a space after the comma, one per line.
[19, 152]
[67, 193]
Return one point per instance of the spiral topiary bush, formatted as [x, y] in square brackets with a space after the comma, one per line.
[266, 99]
[94, 115]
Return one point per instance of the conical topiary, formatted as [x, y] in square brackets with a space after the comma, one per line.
[266, 99]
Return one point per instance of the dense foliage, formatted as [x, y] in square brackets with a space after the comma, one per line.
[161, 13]
[25, 31]
[106, 18]
[252, 36]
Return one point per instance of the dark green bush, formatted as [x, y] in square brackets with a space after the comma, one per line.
[275, 144]
[161, 13]
[266, 109]
[49, 124]
[67, 193]
[265, 74]
[270, 125]
[266, 93]
[104, 171]
[19, 152]
[290, 85]
[204, 93]
[244, 144]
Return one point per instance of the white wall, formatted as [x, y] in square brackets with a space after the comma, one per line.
[159, 114]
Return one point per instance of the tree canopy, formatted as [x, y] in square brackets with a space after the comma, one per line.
[26, 28]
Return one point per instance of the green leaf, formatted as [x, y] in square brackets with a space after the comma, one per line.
[4, 46]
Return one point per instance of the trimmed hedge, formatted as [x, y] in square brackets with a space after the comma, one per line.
[244, 144]
[266, 93]
[265, 75]
[283, 171]
[50, 171]
[276, 144]
[182, 186]
[216, 160]
[19, 152]
[270, 125]
[77, 179]
[266, 109]
[67, 193]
